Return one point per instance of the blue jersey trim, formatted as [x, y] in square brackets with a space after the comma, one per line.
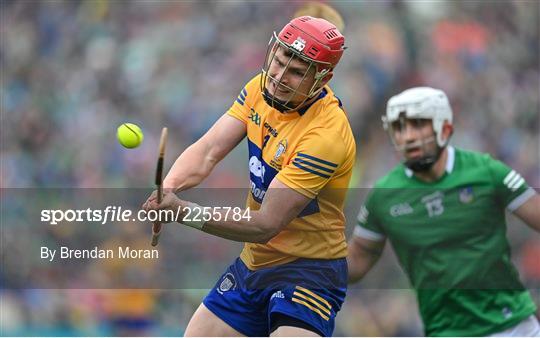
[317, 159]
[340, 104]
[242, 97]
[310, 209]
[310, 170]
[298, 160]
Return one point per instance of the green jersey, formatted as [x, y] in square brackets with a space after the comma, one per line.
[449, 237]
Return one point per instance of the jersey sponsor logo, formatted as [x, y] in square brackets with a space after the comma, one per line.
[255, 117]
[299, 44]
[271, 129]
[258, 193]
[466, 195]
[513, 180]
[401, 209]
[363, 215]
[227, 283]
[261, 173]
[434, 203]
[256, 167]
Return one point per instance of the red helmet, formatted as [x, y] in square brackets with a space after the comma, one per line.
[316, 39]
[316, 42]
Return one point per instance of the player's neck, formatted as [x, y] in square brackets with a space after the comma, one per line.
[437, 170]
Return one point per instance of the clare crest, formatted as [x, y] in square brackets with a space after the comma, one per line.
[281, 147]
[277, 161]
[228, 283]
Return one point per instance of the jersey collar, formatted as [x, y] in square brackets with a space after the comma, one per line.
[450, 159]
[303, 110]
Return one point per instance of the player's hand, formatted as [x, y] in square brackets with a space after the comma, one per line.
[175, 207]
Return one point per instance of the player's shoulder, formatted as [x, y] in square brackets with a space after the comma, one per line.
[331, 108]
[395, 178]
[253, 86]
[328, 114]
[474, 162]
[383, 189]
[472, 157]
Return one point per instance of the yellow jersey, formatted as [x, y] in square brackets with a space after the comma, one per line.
[311, 150]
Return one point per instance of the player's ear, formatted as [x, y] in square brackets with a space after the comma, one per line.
[447, 130]
[327, 78]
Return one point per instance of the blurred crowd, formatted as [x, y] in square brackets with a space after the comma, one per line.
[72, 71]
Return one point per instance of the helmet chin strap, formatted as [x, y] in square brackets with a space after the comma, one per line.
[426, 162]
[276, 103]
[284, 106]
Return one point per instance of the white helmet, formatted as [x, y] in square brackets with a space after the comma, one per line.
[420, 103]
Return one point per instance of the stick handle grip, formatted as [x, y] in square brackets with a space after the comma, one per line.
[155, 236]
[156, 228]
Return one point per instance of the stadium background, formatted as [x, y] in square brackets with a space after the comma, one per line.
[71, 71]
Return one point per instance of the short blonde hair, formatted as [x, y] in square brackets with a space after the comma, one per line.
[323, 11]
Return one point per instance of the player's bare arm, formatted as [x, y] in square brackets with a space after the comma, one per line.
[262, 225]
[529, 212]
[362, 256]
[268, 221]
[198, 160]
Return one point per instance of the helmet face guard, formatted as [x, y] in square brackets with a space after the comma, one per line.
[413, 108]
[425, 143]
[312, 41]
[312, 73]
